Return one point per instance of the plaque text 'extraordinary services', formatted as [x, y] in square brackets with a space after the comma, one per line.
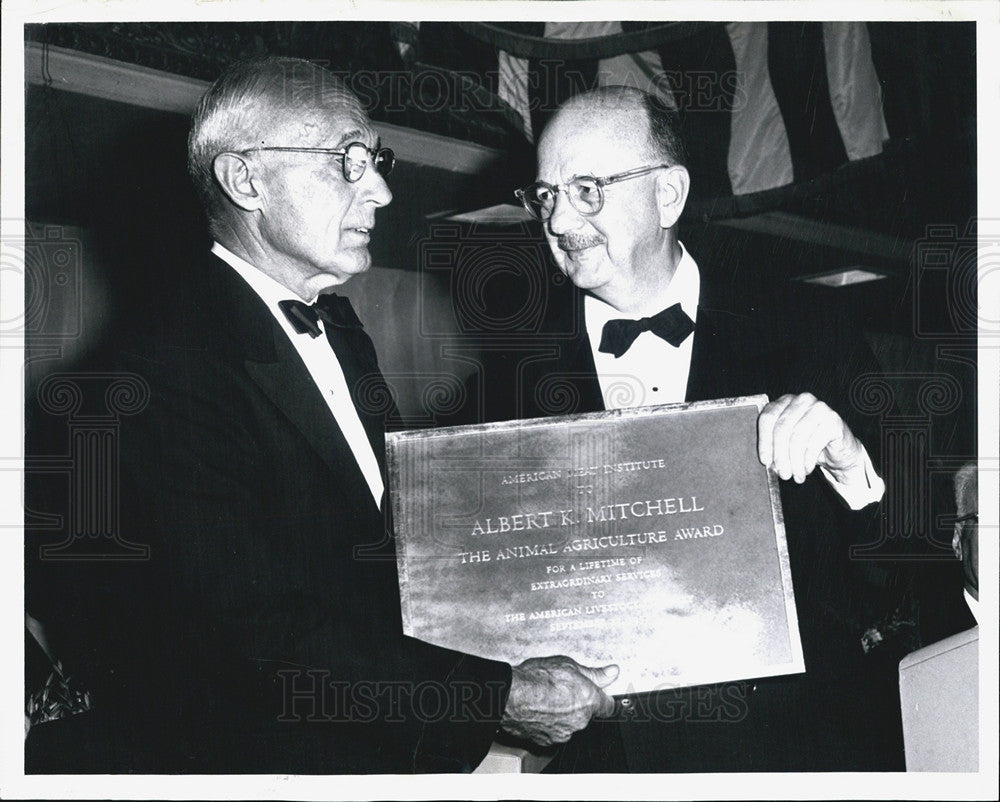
[651, 538]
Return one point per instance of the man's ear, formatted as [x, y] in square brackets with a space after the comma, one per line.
[672, 186]
[235, 176]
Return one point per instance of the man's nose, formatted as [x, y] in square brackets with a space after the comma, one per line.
[375, 189]
[564, 217]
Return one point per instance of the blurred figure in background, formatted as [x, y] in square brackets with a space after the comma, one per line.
[939, 684]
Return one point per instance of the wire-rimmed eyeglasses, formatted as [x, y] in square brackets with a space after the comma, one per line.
[585, 192]
[354, 158]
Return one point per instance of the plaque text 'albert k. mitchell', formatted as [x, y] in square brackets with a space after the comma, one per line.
[650, 538]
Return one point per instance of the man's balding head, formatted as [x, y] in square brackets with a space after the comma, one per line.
[622, 108]
[626, 252]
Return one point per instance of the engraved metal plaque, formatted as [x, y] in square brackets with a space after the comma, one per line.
[649, 537]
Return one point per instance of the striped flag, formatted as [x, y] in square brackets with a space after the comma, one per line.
[762, 105]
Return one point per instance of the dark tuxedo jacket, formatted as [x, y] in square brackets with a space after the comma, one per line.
[263, 632]
[843, 714]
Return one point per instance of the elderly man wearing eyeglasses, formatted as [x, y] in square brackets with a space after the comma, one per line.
[611, 188]
[262, 632]
[645, 324]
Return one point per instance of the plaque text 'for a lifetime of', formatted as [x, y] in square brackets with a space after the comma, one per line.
[651, 538]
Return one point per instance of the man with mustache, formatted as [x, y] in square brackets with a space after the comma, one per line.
[263, 633]
[646, 326]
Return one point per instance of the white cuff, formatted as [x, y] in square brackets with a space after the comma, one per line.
[860, 486]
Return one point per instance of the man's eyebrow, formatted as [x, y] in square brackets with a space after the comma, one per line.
[351, 136]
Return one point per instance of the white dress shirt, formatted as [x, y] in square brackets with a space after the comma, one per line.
[320, 361]
[653, 371]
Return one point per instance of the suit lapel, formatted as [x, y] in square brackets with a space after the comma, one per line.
[288, 385]
[701, 376]
[276, 368]
[580, 362]
[733, 355]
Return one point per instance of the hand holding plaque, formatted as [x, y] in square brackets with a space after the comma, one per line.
[798, 432]
[553, 697]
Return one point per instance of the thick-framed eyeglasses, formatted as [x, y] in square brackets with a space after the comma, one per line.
[354, 158]
[585, 192]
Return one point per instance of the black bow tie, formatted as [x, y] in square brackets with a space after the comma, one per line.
[672, 325]
[355, 352]
[333, 309]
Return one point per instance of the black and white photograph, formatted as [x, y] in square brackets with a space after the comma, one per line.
[560, 400]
